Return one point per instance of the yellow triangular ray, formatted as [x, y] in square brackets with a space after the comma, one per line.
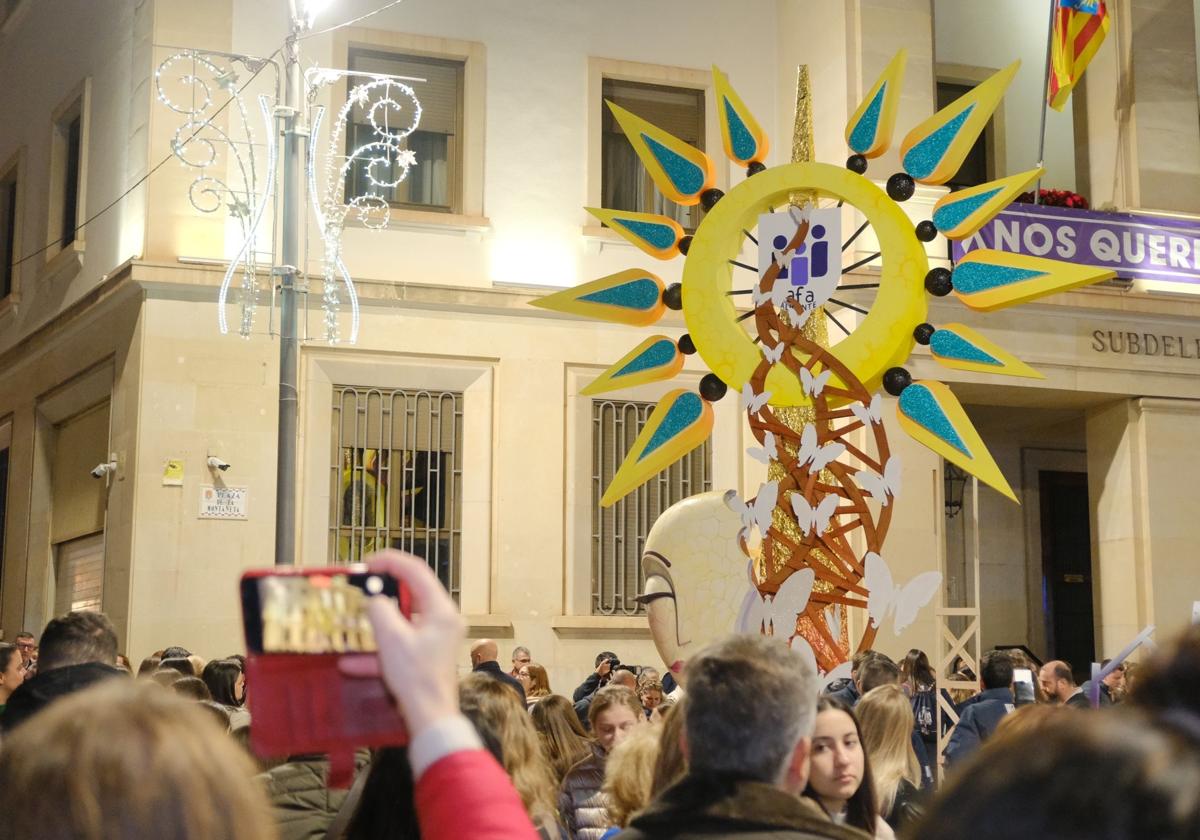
[931, 415]
[744, 140]
[681, 422]
[959, 214]
[869, 132]
[987, 279]
[934, 150]
[959, 346]
[681, 171]
[657, 235]
[632, 297]
[655, 359]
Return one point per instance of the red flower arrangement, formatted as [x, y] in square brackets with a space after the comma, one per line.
[1055, 198]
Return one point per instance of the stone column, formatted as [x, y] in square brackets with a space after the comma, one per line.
[1142, 464]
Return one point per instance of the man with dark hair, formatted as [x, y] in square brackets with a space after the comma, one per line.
[606, 660]
[77, 649]
[748, 722]
[846, 691]
[176, 652]
[877, 671]
[980, 715]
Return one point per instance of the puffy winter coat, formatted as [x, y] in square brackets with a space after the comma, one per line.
[304, 806]
[581, 805]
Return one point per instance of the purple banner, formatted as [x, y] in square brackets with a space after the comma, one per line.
[1135, 245]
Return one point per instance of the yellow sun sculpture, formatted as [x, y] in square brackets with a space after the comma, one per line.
[802, 519]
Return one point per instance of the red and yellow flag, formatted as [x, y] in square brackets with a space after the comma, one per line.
[1079, 30]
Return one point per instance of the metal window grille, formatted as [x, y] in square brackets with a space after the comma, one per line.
[396, 477]
[619, 532]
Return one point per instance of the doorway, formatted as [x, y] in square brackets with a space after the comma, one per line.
[1067, 568]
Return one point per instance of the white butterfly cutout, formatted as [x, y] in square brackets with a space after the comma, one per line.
[883, 485]
[886, 598]
[755, 514]
[814, 385]
[752, 401]
[817, 518]
[819, 457]
[778, 612]
[778, 295]
[868, 414]
[765, 452]
[798, 317]
[833, 619]
[774, 354]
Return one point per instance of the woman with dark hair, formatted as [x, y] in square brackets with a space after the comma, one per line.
[149, 664]
[386, 807]
[227, 682]
[192, 688]
[12, 672]
[839, 776]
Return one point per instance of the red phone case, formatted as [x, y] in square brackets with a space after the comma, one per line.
[303, 703]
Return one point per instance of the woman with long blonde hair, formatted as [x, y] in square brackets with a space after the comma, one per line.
[563, 741]
[886, 718]
[496, 710]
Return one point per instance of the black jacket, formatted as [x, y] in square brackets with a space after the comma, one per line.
[36, 693]
[492, 669]
[720, 806]
[978, 719]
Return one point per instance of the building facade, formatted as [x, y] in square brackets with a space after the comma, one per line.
[455, 426]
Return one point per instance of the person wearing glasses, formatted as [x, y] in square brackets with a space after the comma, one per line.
[27, 645]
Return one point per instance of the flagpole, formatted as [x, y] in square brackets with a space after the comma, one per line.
[1037, 190]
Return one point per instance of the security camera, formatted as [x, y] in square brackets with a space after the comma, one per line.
[104, 470]
[215, 463]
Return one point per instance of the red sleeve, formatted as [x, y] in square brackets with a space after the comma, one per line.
[467, 794]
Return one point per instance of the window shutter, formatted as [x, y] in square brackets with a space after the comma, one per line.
[440, 94]
[679, 111]
[80, 580]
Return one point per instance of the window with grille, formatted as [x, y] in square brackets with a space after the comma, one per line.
[79, 575]
[624, 182]
[435, 183]
[396, 477]
[619, 532]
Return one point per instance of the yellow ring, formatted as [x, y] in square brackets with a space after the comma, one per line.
[884, 338]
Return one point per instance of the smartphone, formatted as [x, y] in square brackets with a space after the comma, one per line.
[300, 624]
[313, 611]
[1023, 675]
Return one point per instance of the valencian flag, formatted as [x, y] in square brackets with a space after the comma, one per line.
[1079, 30]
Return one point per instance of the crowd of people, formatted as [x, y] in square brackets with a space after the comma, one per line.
[754, 745]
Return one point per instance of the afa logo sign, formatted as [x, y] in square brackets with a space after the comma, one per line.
[813, 268]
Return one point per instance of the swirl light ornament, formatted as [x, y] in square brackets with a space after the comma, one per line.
[217, 142]
[393, 112]
[814, 408]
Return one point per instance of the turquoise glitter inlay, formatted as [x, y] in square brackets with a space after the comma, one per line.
[950, 216]
[951, 345]
[685, 411]
[864, 133]
[687, 177]
[980, 276]
[640, 294]
[924, 157]
[658, 354]
[740, 139]
[920, 405]
[656, 235]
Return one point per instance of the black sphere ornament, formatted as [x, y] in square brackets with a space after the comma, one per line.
[754, 168]
[896, 380]
[926, 231]
[710, 197]
[901, 186]
[938, 282]
[684, 244]
[856, 164]
[672, 296]
[685, 344]
[712, 388]
[923, 333]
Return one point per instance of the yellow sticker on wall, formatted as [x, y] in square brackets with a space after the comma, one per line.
[173, 473]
